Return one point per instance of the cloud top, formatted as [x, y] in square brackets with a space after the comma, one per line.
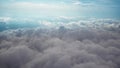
[63, 47]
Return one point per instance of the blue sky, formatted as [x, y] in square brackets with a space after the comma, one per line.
[70, 8]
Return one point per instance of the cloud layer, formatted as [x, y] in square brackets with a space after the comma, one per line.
[84, 44]
[56, 22]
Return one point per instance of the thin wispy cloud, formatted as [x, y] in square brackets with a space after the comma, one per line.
[109, 8]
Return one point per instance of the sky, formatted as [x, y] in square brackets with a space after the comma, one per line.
[55, 8]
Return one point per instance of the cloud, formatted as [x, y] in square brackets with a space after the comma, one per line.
[31, 5]
[5, 19]
[62, 47]
[56, 22]
[83, 4]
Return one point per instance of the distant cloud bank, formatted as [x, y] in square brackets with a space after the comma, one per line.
[55, 22]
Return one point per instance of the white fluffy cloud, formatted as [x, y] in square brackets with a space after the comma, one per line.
[5, 19]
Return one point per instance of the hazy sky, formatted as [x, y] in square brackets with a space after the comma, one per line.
[72, 8]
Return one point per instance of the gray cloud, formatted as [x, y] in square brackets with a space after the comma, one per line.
[61, 47]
